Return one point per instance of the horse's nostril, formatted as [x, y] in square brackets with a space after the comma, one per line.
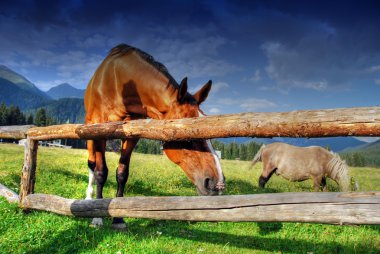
[207, 183]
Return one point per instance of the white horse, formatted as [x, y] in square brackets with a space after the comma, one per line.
[302, 163]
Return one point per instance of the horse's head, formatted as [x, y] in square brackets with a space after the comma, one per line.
[197, 158]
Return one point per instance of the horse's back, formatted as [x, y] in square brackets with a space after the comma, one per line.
[115, 86]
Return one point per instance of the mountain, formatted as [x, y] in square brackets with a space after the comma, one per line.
[65, 91]
[336, 144]
[66, 110]
[17, 90]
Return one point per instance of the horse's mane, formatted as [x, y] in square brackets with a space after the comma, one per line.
[123, 49]
[339, 171]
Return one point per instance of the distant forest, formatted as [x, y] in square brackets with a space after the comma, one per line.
[12, 115]
[230, 151]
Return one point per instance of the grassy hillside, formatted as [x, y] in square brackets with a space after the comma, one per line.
[64, 172]
[369, 152]
[17, 90]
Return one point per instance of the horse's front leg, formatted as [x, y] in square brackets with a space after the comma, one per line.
[122, 173]
[100, 173]
[324, 184]
[317, 182]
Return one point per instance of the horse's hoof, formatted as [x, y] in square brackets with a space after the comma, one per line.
[119, 226]
[96, 223]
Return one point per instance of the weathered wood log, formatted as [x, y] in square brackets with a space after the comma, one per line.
[313, 123]
[330, 208]
[9, 195]
[14, 132]
[28, 176]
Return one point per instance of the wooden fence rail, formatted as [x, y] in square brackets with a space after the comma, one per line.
[312, 123]
[330, 208]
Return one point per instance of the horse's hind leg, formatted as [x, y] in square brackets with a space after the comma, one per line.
[122, 173]
[268, 171]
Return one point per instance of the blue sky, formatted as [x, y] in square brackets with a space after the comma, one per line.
[261, 55]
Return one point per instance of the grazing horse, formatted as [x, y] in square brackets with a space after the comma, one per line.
[302, 163]
[129, 84]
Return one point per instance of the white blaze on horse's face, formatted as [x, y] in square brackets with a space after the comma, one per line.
[221, 182]
[220, 185]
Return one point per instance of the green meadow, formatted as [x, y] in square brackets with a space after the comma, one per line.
[64, 172]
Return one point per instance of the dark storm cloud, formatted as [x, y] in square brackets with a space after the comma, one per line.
[99, 13]
[317, 45]
[73, 36]
[312, 44]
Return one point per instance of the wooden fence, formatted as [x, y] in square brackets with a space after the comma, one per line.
[334, 208]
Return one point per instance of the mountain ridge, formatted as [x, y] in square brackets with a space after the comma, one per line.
[65, 90]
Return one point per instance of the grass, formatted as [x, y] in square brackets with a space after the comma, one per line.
[64, 172]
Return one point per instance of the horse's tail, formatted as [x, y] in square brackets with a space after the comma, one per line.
[339, 172]
[257, 157]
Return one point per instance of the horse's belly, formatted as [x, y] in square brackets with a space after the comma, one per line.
[292, 176]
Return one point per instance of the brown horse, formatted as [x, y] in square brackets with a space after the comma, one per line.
[129, 84]
[302, 163]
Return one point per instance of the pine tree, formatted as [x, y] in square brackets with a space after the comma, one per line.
[3, 112]
[40, 119]
[243, 152]
[30, 119]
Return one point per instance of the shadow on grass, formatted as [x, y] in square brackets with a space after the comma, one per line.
[242, 187]
[266, 228]
[140, 187]
[69, 174]
[142, 230]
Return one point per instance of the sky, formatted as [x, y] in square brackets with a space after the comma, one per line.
[262, 56]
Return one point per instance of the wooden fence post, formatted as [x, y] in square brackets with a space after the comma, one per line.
[28, 176]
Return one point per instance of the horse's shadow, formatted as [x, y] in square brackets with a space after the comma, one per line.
[69, 174]
[141, 230]
[242, 187]
[140, 187]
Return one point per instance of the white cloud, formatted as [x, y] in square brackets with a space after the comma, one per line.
[256, 104]
[256, 77]
[374, 68]
[214, 110]
[251, 104]
[377, 81]
[218, 86]
[227, 101]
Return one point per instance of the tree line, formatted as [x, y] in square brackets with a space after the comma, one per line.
[354, 159]
[12, 115]
[229, 151]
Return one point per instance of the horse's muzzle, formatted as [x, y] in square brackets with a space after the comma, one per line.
[262, 181]
[210, 188]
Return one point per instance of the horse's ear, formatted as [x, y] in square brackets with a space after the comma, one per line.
[182, 91]
[202, 94]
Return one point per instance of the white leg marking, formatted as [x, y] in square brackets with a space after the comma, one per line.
[97, 222]
[90, 187]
